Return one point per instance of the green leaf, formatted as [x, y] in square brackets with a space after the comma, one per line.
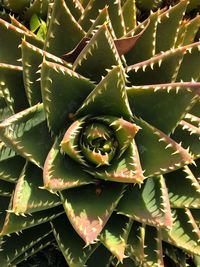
[111, 87]
[61, 172]
[62, 23]
[152, 103]
[126, 169]
[41, 33]
[9, 50]
[188, 31]
[114, 236]
[46, 241]
[123, 130]
[14, 245]
[102, 18]
[9, 158]
[29, 196]
[37, 7]
[189, 68]
[87, 220]
[5, 111]
[158, 152]
[152, 247]
[75, 8]
[26, 133]
[116, 17]
[189, 135]
[70, 142]
[12, 87]
[129, 14]
[187, 194]
[167, 30]
[149, 203]
[16, 6]
[143, 44]
[15, 223]
[196, 259]
[34, 23]
[160, 69]
[32, 57]
[71, 245]
[92, 10]
[185, 233]
[64, 88]
[135, 246]
[101, 48]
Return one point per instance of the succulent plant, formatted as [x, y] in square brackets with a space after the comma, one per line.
[26, 8]
[100, 136]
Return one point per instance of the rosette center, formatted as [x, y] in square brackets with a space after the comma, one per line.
[98, 140]
[98, 143]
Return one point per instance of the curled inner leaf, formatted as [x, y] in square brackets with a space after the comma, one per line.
[98, 140]
[98, 143]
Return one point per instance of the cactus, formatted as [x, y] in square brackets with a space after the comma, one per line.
[100, 136]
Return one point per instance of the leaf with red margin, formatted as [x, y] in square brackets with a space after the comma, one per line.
[101, 49]
[70, 141]
[148, 203]
[112, 88]
[71, 245]
[158, 152]
[127, 169]
[124, 131]
[114, 236]
[61, 172]
[185, 233]
[63, 88]
[29, 197]
[87, 219]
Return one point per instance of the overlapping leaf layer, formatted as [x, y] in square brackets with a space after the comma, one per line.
[100, 130]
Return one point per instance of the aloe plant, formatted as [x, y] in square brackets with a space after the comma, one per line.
[26, 8]
[100, 136]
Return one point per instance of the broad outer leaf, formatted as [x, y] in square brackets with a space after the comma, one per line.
[149, 203]
[111, 87]
[87, 220]
[71, 245]
[26, 133]
[62, 88]
[62, 172]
